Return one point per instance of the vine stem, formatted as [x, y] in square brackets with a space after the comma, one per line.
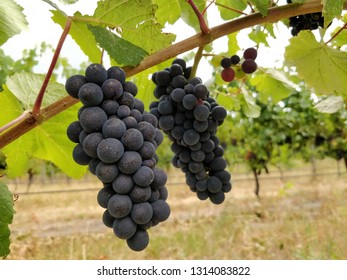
[39, 99]
[336, 34]
[274, 14]
[197, 59]
[203, 26]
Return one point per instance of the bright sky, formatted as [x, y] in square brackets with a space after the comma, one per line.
[43, 29]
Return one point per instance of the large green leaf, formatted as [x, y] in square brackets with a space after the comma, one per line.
[12, 20]
[330, 105]
[273, 84]
[320, 66]
[230, 9]
[331, 9]
[135, 20]
[168, 12]
[122, 51]
[80, 33]
[25, 86]
[6, 218]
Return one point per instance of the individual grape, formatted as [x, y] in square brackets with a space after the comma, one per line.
[91, 142]
[235, 59]
[200, 91]
[147, 117]
[144, 176]
[249, 66]
[140, 194]
[96, 73]
[127, 99]
[250, 53]
[180, 62]
[139, 241]
[93, 163]
[218, 113]
[218, 164]
[92, 119]
[177, 94]
[179, 81]
[130, 122]
[106, 172]
[73, 131]
[117, 73]
[136, 114]
[113, 128]
[124, 228]
[155, 195]
[104, 195]
[119, 206]
[110, 150]
[175, 70]
[163, 193]
[201, 113]
[138, 105]
[201, 185]
[112, 88]
[110, 107]
[191, 137]
[132, 139]
[165, 107]
[73, 85]
[195, 81]
[226, 62]
[217, 198]
[107, 219]
[82, 136]
[189, 101]
[123, 111]
[163, 78]
[130, 162]
[198, 156]
[123, 184]
[79, 155]
[141, 213]
[147, 130]
[200, 126]
[202, 195]
[147, 151]
[159, 137]
[161, 211]
[228, 74]
[90, 94]
[160, 178]
[214, 185]
[166, 122]
[131, 88]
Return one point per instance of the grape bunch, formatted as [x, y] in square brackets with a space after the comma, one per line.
[190, 117]
[232, 65]
[117, 139]
[305, 22]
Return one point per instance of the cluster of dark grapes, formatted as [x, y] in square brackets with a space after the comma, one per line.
[305, 22]
[190, 117]
[117, 139]
[247, 65]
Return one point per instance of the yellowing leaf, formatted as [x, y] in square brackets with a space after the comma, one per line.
[320, 66]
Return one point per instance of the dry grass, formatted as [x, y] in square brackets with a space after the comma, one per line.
[303, 218]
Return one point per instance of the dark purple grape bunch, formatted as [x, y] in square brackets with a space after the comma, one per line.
[247, 64]
[118, 139]
[189, 116]
[305, 22]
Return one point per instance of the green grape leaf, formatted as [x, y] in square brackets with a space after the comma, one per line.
[25, 86]
[122, 51]
[330, 105]
[331, 9]
[135, 20]
[341, 39]
[233, 45]
[262, 5]
[258, 35]
[51, 143]
[229, 102]
[12, 20]
[6, 218]
[272, 84]
[320, 66]
[249, 106]
[80, 34]
[230, 9]
[167, 13]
